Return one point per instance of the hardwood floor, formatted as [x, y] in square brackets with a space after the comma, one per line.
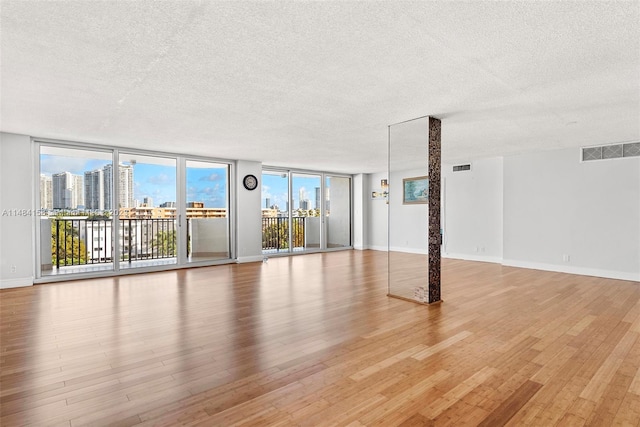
[314, 340]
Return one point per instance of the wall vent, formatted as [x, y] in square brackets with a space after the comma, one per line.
[612, 151]
[460, 168]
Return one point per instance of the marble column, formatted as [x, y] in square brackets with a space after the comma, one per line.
[435, 238]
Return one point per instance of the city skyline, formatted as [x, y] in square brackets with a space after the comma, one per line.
[150, 181]
[306, 188]
[205, 182]
[67, 190]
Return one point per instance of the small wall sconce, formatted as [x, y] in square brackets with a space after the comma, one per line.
[384, 183]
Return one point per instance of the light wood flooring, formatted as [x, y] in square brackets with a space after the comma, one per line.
[313, 340]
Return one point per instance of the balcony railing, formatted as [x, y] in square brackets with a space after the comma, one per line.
[142, 239]
[85, 241]
[89, 241]
[275, 233]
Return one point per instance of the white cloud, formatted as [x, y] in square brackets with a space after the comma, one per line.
[161, 179]
[211, 177]
[266, 191]
[50, 165]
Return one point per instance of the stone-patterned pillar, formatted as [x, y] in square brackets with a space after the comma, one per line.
[435, 238]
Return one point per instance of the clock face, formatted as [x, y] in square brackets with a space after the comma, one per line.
[250, 182]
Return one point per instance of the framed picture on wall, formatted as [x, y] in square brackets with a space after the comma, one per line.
[415, 190]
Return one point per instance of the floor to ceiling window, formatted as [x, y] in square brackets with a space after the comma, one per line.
[338, 211]
[306, 195]
[275, 211]
[207, 211]
[104, 209]
[297, 212]
[75, 220]
[146, 201]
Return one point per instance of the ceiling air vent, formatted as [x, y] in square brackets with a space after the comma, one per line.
[460, 168]
[612, 151]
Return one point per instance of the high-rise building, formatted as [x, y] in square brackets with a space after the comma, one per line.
[317, 206]
[125, 186]
[327, 203]
[148, 202]
[67, 191]
[94, 194]
[267, 203]
[78, 190]
[46, 192]
[301, 197]
[107, 175]
[61, 190]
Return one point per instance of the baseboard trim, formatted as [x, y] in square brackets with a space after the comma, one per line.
[470, 257]
[16, 283]
[583, 271]
[255, 258]
[419, 251]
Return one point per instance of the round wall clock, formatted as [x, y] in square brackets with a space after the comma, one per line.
[250, 182]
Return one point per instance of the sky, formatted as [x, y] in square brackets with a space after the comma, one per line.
[206, 182]
[275, 188]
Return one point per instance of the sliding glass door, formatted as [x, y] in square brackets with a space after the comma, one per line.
[146, 202]
[75, 222]
[306, 229]
[275, 212]
[299, 215]
[104, 209]
[337, 211]
[207, 207]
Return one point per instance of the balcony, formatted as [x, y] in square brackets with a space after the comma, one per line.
[275, 234]
[85, 244]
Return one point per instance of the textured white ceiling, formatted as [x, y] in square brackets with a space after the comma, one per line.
[314, 84]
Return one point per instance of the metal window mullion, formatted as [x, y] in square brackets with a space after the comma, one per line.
[290, 213]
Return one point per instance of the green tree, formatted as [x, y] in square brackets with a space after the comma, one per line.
[66, 246]
[276, 235]
[102, 215]
[164, 243]
[298, 232]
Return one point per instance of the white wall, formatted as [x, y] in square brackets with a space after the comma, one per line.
[376, 214]
[249, 219]
[16, 193]
[527, 211]
[472, 211]
[209, 235]
[312, 231]
[360, 211]
[408, 224]
[564, 215]
[409, 227]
